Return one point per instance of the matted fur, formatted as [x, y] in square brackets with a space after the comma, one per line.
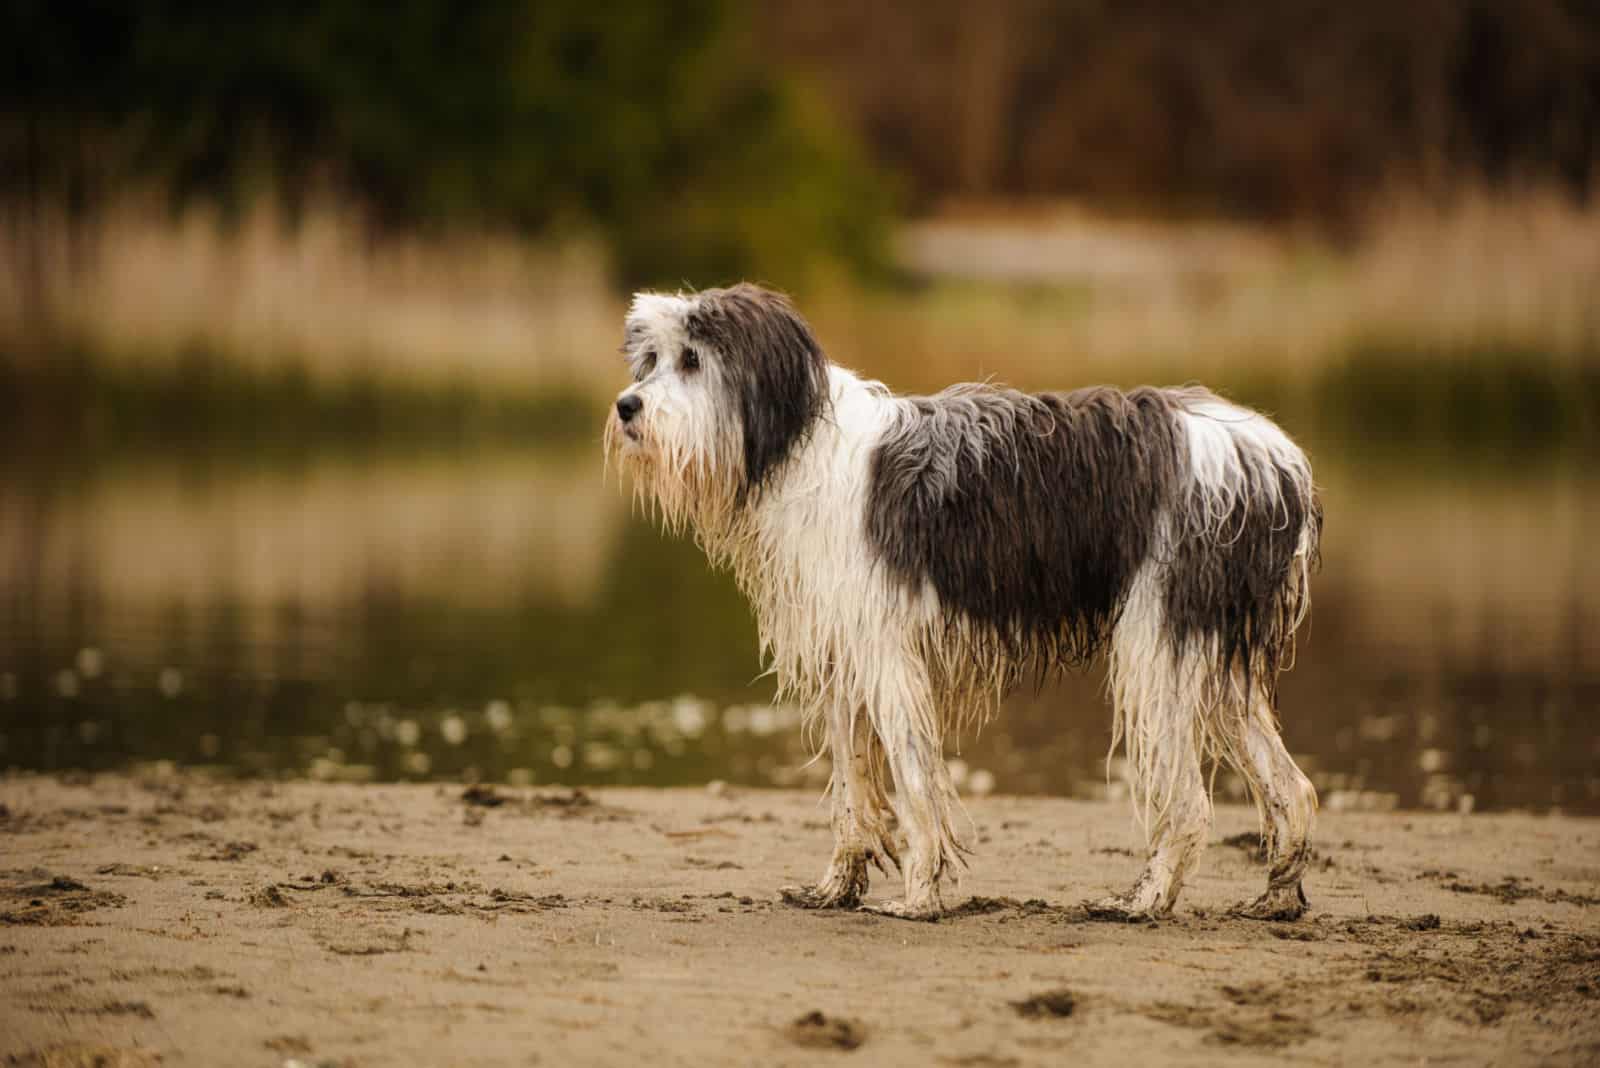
[909, 559]
[1028, 514]
[773, 366]
[1251, 520]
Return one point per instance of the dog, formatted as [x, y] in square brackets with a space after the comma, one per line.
[912, 559]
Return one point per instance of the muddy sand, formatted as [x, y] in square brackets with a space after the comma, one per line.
[177, 921]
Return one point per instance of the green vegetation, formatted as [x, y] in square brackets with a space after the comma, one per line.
[656, 125]
[1471, 410]
[205, 404]
[1485, 408]
[1489, 407]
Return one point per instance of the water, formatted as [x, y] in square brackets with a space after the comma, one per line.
[498, 613]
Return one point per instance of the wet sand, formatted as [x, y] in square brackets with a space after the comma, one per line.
[176, 921]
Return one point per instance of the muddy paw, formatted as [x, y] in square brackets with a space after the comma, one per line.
[816, 897]
[902, 911]
[1278, 903]
[1119, 910]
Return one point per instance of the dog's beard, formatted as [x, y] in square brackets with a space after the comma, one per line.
[679, 484]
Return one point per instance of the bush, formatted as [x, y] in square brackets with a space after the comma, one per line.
[654, 124]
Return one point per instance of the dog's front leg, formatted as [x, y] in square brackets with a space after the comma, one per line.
[924, 798]
[862, 819]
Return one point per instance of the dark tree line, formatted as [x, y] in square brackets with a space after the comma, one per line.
[674, 130]
[1271, 109]
[658, 124]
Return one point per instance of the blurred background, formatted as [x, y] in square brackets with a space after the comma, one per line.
[309, 319]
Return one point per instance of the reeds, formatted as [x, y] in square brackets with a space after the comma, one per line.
[138, 284]
[1059, 298]
[1038, 298]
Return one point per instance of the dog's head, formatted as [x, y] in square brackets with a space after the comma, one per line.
[727, 384]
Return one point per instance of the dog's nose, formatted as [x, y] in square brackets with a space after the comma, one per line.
[628, 406]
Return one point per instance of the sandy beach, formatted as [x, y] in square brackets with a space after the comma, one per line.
[171, 920]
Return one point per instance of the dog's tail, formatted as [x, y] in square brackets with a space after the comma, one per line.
[1246, 533]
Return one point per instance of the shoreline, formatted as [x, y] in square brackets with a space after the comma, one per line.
[183, 921]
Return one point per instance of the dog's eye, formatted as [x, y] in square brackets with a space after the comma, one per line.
[647, 365]
[690, 360]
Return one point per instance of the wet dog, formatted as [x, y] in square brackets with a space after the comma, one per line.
[911, 559]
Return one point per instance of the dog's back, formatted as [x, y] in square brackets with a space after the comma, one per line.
[1032, 515]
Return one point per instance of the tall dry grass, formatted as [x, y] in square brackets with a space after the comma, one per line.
[488, 309]
[1056, 296]
[1036, 297]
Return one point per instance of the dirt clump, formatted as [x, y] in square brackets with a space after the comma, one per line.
[46, 900]
[815, 1030]
[1052, 1004]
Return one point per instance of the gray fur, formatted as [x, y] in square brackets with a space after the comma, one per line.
[1030, 515]
[774, 366]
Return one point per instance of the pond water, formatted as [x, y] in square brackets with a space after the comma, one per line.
[498, 613]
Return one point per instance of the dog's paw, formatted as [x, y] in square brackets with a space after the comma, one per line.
[901, 911]
[1120, 909]
[816, 897]
[1280, 903]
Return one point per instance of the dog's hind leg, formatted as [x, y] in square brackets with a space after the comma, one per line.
[1159, 697]
[862, 817]
[1175, 808]
[1287, 802]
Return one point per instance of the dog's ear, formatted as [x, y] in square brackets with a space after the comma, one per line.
[773, 366]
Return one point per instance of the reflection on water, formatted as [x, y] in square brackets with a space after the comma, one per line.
[500, 614]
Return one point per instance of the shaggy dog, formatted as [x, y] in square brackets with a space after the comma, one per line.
[911, 559]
